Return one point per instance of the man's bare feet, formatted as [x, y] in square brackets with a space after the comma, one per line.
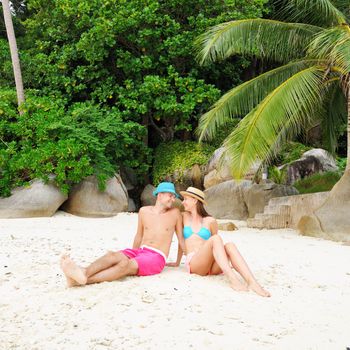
[237, 285]
[256, 287]
[74, 274]
[71, 282]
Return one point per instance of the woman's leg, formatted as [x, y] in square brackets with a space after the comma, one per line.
[240, 265]
[213, 251]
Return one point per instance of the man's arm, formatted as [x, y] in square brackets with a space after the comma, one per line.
[139, 232]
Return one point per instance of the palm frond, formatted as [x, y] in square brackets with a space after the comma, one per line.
[243, 98]
[335, 116]
[333, 45]
[344, 7]
[274, 40]
[317, 12]
[291, 103]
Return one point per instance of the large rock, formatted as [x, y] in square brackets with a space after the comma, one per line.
[226, 200]
[302, 168]
[131, 205]
[326, 159]
[219, 169]
[257, 196]
[128, 177]
[130, 182]
[311, 162]
[87, 200]
[227, 226]
[193, 176]
[38, 199]
[147, 197]
[331, 220]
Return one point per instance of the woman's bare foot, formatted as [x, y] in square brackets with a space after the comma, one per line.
[256, 287]
[237, 285]
[74, 274]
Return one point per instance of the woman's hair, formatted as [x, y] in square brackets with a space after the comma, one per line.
[200, 209]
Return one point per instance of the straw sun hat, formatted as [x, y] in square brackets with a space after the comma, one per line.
[194, 193]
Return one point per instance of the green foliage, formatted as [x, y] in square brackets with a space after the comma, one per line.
[178, 156]
[134, 55]
[290, 152]
[317, 183]
[222, 132]
[69, 143]
[278, 105]
[110, 77]
[278, 176]
[175, 100]
[6, 71]
[341, 163]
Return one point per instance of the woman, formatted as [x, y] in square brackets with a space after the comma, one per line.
[206, 252]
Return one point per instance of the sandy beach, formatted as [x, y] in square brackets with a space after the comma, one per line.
[309, 280]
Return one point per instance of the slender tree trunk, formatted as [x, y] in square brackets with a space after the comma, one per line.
[346, 88]
[14, 52]
[348, 129]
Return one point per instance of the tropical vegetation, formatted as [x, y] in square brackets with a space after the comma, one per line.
[309, 43]
[317, 182]
[102, 76]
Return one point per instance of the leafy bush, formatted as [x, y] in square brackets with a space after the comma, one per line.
[70, 143]
[290, 152]
[223, 132]
[178, 156]
[135, 55]
[341, 163]
[317, 183]
[278, 176]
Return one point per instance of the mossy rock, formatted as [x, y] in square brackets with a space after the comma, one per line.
[291, 152]
[318, 182]
[183, 163]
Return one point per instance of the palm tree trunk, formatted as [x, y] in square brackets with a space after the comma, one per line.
[348, 129]
[14, 52]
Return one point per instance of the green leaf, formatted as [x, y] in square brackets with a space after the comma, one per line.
[270, 39]
[291, 103]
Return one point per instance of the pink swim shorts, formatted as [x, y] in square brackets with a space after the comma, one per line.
[149, 260]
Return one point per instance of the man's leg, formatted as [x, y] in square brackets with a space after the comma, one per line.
[105, 262]
[109, 267]
[124, 267]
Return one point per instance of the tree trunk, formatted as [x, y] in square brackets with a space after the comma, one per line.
[331, 220]
[348, 140]
[14, 52]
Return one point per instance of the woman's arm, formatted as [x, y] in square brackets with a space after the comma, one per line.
[181, 246]
[213, 226]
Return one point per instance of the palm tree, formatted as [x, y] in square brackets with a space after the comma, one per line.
[312, 83]
[14, 52]
[278, 103]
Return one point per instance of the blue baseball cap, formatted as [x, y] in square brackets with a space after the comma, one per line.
[167, 187]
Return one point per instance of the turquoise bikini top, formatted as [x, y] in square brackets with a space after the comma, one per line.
[202, 233]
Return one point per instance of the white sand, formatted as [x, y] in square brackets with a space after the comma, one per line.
[309, 280]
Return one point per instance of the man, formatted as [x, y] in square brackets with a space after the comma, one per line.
[156, 226]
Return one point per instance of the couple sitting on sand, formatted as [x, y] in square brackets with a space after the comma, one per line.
[198, 238]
